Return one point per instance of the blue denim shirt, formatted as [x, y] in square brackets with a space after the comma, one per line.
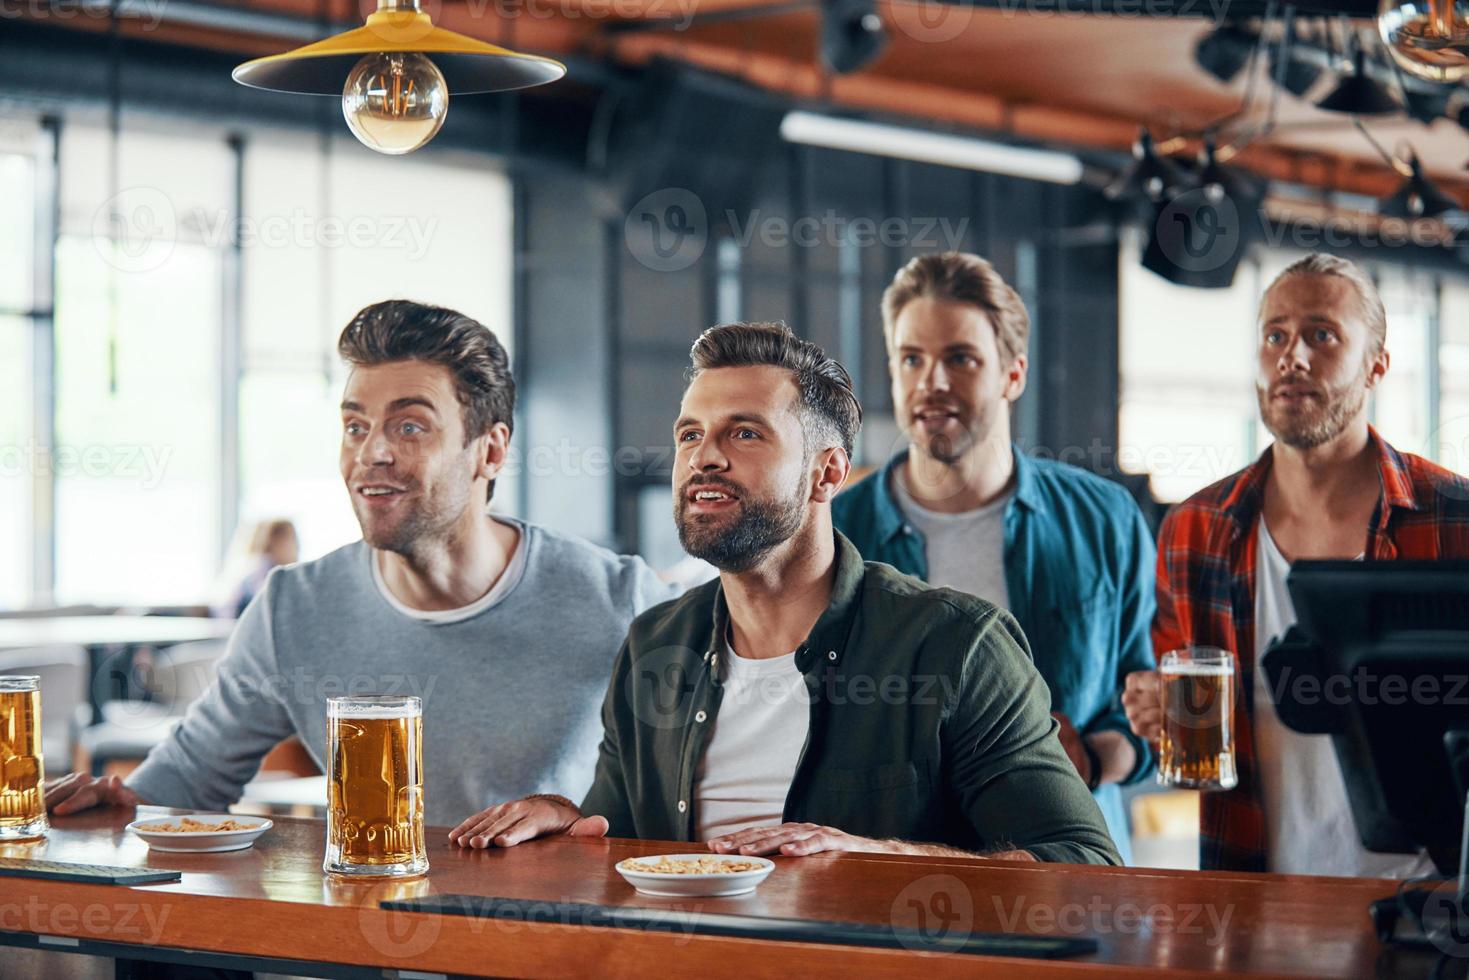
[1079, 568]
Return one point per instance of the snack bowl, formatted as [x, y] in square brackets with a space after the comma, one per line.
[199, 841]
[686, 884]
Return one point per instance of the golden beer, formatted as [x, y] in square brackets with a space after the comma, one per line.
[22, 769]
[1196, 748]
[374, 823]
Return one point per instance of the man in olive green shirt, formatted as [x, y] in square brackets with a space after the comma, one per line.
[807, 701]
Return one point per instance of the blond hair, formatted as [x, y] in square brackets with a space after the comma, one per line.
[1368, 300]
[960, 277]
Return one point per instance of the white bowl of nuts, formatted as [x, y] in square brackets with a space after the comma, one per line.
[695, 875]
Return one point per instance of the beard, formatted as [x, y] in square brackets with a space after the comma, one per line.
[434, 514]
[757, 527]
[1319, 419]
[972, 425]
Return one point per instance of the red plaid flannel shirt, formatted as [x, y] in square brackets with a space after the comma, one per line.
[1206, 596]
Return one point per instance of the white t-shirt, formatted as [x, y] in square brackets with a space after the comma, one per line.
[1309, 827]
[966, 551]
[751, 758]
[508, 580]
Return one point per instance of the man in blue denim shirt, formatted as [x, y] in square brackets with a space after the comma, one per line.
[1066, 552]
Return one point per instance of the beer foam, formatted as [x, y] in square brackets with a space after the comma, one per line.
[372, 712]
[1198, 670]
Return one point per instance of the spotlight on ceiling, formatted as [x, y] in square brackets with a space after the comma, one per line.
[852, 34]
[1223, 51]
[1198, 238]
[1358, 93]
[1418, 197]
[1150, 176]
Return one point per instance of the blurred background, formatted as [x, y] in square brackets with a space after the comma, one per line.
[178, 254]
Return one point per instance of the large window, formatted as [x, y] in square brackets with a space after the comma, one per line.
[148, 473]
[327, 234]
[19, 460]
[138, 318]
[1187, 415]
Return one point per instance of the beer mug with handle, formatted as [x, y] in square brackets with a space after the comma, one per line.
[22, 769]
[1197, 693]
[374, 823]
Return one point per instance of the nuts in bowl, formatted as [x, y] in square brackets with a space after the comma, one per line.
[695, 875]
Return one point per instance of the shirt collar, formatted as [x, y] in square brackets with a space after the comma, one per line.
[1244, 501]
[888, 516]
[826, 643]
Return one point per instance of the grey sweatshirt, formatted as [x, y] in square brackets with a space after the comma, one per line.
[512, 687]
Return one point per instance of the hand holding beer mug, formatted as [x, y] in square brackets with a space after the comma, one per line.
[374, 824]
[1197, 695]
[22, 770]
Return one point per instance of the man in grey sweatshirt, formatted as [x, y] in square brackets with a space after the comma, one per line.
[506, 630]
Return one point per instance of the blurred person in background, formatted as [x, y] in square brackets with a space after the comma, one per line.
[253, 553]
[1066, 552]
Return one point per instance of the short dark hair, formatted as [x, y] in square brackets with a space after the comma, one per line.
[827, 401]
[401, 330]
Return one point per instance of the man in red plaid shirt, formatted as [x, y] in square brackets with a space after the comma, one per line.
[1329, 487]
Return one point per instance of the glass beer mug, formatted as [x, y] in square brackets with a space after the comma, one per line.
[1196, 748]
[374, 822]
[22, 769]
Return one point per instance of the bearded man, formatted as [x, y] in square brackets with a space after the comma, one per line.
[1329, 487]
[808, 701]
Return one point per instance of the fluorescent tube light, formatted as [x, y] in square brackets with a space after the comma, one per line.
[943, 149]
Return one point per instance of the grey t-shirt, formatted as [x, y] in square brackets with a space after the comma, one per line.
[966, 551]
[512, 692]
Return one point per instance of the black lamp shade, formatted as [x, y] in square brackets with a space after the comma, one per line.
[1358, 94]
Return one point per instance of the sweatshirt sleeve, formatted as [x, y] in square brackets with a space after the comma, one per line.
[216, 749]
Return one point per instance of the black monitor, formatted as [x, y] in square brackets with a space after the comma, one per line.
[1380, 661]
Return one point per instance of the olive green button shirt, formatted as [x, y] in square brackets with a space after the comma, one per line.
[929, 723]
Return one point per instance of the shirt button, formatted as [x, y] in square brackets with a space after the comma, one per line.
[907, 529]
[700, 716]
[831, 655]
[682, 806]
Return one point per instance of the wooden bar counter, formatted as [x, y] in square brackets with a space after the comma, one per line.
[271, 903]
